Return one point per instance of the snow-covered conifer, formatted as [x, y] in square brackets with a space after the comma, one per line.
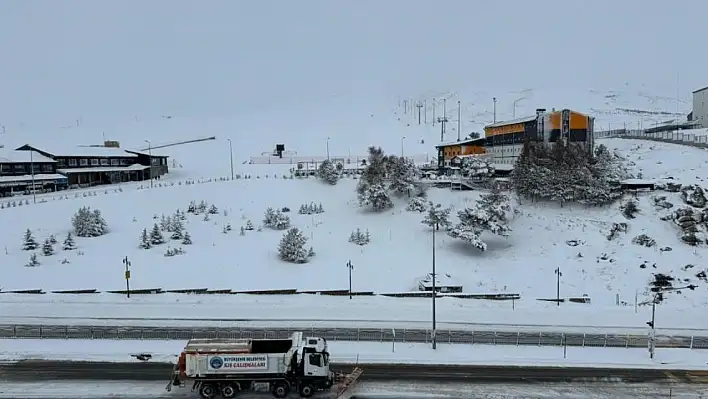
[68, 244]
[630, 209]
[164, 222]
[416, 204]
[213, 210]
[310, 253]
[192, 208]
[202, 207]
[228, 227]
[33, 261]
[249, 225]
[269, 217]
[99, 226]
[145, 240]
[29, 243]
[47, 248]
[52, 239]
[292, 246]
[320, 208]
[375, 196]
[87, 223]
[303, 210]
[328, 172]
[437, 216]
[281, 222]
[156, 237]
[187, 240]
[404, 177]
[206, 217]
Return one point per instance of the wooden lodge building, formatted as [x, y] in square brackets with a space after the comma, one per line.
[52, 168]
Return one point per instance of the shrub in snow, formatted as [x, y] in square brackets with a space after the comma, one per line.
[285, 209]
[616, 229]
[187, 240]
[630, 209]
[68, 244]
[192, 207]
[47, 248]
[202, 207]
[29, 242]
[437, 216]
[416, 204]
[206, 217]
[644, 240]
[292, 246]
[249, 225]
[489, 214]
[176, 227]
[360, 238]
[661, 202]
[276, 219]
[213, 210]
[694, 196]
[33, 261]
[328, 172]
[156, 237]
[375, 196]
[173, 252]
[310, 253]
[52, 239]
[88, 223]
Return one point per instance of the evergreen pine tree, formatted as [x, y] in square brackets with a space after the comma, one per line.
[292, 246]
[145, 240]
[69, 244]
[213, 210]
[47, 248]
[52, 239]
[30, 243]
[249, 225]
[187, 240]
[33, 261]
[156, 237]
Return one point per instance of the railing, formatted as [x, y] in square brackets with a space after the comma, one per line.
[676, 137]
[516, 338]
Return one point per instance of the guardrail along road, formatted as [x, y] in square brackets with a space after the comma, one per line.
[525, 337]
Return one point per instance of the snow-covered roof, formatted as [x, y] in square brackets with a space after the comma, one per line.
[512, 121]
[461, 142]
[79, 151]
[23, 157]
[441, 280]
[106, 169]
[637, 181]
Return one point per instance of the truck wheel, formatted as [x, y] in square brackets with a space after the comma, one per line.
[229, 391]
[281, 390]
[207, 391]
[306, 390]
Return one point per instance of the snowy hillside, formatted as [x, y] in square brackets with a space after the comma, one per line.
[397, 256]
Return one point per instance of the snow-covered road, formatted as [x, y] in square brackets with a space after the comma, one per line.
[367, 390]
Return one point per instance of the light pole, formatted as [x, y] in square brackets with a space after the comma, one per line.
[513, 115]
[558, 285]
[350, 266]
[657, 299]
[494, 99]
[126, 262]
[231, 158]
[150, 156]
[435, 343]
[34, 189]
[402, 140]
[328, 148]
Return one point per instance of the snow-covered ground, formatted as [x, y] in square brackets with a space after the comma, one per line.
[367, 390]
[367, 352]
[398, 255]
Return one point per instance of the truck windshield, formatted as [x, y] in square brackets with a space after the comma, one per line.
[326, 358]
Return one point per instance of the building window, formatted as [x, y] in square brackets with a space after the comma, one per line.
[104, 162]
[72, 162]
[61, 162]
[83, 162]
[115, 162]
[94, 162]
[46, 167]
[4, 168]
[19, 167]
[124, 161]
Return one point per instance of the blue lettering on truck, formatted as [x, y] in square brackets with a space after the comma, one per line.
[238, 362]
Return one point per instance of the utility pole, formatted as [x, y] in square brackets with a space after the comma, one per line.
[444, 108]
[350, 266]
[435, 343]
[405, 106]
[402, 140]
[419, 106]
[425, 111]
[558, 285]
[442, 122]
[433, 111]
[126, 262]
[231, 158]
[495, 109]
[459, 119]
[328, 148]
[150, 156]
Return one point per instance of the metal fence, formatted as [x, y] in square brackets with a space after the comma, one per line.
[675, 137]
[517, 338]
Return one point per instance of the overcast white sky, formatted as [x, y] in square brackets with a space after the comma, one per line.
[155, 57]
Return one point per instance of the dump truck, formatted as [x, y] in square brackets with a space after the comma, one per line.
[227, 367]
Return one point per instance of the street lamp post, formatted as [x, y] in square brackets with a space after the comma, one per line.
[231, 158]
[435, 343]
[402, 140]
[350, 266]
[150, 156]
[558, 285]
[657, 298]
[328, 148]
